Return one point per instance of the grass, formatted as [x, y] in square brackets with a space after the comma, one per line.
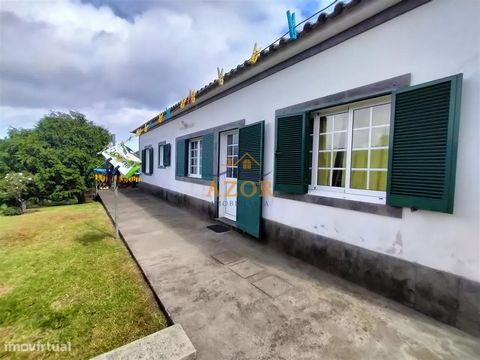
[65, 278]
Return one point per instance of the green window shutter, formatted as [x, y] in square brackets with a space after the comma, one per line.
[423, 145]
[250, 175]
[143, 161]
[166, 155]
[150, 160]
[291, 154]
[181, 161]
[207, 157]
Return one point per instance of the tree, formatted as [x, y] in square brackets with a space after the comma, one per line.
[15, 188]
[60, 152]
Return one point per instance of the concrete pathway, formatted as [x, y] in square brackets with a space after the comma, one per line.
[237, 299]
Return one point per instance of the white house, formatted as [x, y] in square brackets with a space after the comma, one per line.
[354, 147]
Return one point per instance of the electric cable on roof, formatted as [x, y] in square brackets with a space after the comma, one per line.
[300, 23]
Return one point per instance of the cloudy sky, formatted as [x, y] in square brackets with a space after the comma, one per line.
[120, 62]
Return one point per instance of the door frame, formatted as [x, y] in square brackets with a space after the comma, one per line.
[222, 160]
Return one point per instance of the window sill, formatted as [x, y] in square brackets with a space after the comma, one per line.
[371, 199]
[193, 180]
[355, 205]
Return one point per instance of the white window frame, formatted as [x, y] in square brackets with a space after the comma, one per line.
[198, 167]
[148, 170]
[346, 192]
[161, 160]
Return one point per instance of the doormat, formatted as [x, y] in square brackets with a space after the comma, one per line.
[218, 228]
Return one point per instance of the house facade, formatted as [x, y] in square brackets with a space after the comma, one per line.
[354, 147]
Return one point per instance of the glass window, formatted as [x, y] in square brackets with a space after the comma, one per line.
[195, 158]
[331, 154]
[161, 162]
[148, 156]
[352, 148]
[232, 156]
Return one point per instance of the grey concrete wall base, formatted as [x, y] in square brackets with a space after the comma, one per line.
[200, 207]
[446, 297]
[170, 343]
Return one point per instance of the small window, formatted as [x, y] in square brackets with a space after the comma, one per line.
[350, 149]
[161, 156]
[195, 158]
[148, 161]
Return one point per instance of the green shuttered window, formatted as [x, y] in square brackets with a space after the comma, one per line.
[207, 157]
[166, 155]
[423, 145]
[291, 154]
[410, 150]
[143, 161]
[194, 157]
[163, 155]
[147, 161]
[181, 149]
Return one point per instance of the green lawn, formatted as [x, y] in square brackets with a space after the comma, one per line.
[65, 278]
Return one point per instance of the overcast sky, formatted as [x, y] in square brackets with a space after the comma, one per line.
[120, 62]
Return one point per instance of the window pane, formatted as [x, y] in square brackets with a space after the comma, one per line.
[229, 139]
[339, 140]
[324, 159]
[160, 155]
[358, 179]
[338, 178]
[361, 118]
[326, 124]
[380, 136]
[341, 121]
[378, 180]
[323, 177]
[235, 150]
[229, 150]
[379, 159]
[325, 142]
[360, 159]
[381, 115]
[229, 172]
[235, 172]
[339, 159]
[360, 138]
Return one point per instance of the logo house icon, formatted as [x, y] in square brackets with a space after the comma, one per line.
[246, 161]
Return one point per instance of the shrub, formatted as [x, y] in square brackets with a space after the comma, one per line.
[12, 211]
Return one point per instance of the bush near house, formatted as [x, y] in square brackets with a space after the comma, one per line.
[60, 153]
[65, 278]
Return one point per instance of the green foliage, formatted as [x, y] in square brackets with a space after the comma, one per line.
[60, 152]
[14, 189]
[12, 211]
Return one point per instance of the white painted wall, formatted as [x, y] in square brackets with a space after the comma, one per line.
[430, 42]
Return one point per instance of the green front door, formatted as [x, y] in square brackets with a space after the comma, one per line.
[250, 176]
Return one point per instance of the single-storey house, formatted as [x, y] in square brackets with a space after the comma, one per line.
[354, 147]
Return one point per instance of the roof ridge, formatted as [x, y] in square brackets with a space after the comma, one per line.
[278, 45]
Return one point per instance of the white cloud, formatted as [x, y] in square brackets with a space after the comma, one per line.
[70, 55]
